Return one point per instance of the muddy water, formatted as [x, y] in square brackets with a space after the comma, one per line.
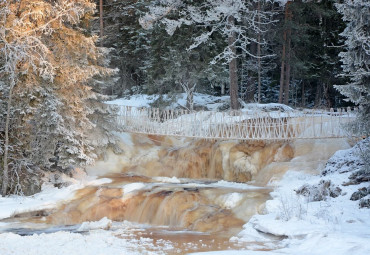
[190, 207]
[195, 205]
[177, 215]
[181, 242]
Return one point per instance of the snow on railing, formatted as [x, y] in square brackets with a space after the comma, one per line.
[239, 125]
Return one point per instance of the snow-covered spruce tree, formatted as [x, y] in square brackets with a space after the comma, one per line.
[356, 58]
[47, 60]
[130, 43]
[238, 22]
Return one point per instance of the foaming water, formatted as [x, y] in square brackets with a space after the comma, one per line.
[197, 159]
[195, 205]
[187, 190]
[309, 156]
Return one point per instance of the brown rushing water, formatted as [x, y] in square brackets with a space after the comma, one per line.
[194, 211]
[179, 217]
[195, 205]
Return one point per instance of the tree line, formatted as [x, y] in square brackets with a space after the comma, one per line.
[61, 59]
[257, 51]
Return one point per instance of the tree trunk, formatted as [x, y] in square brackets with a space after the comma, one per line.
[284, 70]
[259, 54]
[327, 94]
[223, 89]
[318, 96]
[6, 144]
[189, 90]
[101, 22]
[233, 72]
[303, 98]
[287, 71]
[251, 79]
[251, 89]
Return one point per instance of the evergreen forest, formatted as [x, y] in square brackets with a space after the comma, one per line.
[60, 60]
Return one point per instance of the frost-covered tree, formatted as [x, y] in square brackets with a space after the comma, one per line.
[238, 22]
[47, 60]
[128, 42]
[356, 57]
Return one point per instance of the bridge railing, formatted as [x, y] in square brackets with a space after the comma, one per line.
[240, 125]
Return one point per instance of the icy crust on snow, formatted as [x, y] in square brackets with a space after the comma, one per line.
[331, 226]
[104, 223]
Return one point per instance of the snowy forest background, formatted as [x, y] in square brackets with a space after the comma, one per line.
[61, 59]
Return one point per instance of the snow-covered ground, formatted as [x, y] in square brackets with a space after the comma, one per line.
[142, 100]
[97, 241]
[205, 101]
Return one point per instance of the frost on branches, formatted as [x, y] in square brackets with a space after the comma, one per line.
[224, 17]
[49, 117]
[238, 22]
[356, 57]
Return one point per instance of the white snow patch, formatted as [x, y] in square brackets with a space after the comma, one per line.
[61, 243]
[167, 179]
[235, 185]
[129, 188]
[48, 198]
[98, 182]
[268, 107]
[141, 100]
[104, 223]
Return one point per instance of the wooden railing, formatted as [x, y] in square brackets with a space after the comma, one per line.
[239, 125]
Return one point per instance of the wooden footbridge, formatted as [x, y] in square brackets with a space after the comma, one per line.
[237, 125]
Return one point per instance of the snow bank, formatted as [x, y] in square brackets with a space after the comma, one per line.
[268, 107]
[66, 243]
[141, 100]
[334, 225]
[48, 198]
[209, 102]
